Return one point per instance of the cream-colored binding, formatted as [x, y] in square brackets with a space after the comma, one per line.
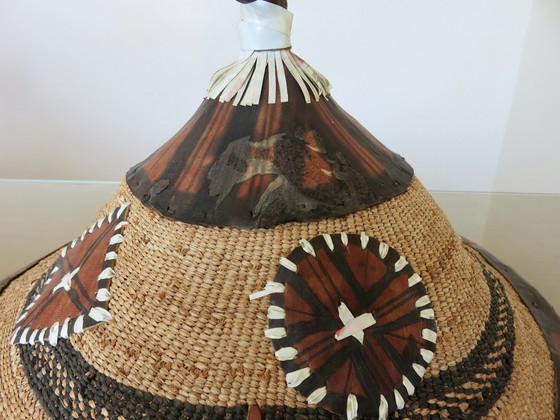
[264, 31]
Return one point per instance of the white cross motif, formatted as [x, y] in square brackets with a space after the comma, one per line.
[66, 281]
[353, 327]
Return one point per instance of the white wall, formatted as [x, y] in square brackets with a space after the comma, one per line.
[531, 152]
[88, 89]
[433, 80]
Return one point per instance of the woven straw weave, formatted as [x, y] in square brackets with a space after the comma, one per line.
[185, 329]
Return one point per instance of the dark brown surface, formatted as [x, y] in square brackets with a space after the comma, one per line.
[283, 3]
[367, 284]
[259, 166]
[542, 311]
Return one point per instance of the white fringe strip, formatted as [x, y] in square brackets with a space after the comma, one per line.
[243, 81]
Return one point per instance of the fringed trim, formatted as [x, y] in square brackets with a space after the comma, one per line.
[243, 81]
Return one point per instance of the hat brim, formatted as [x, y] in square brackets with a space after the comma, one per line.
[502, 372]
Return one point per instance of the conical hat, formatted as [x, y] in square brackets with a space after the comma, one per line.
[274, 260]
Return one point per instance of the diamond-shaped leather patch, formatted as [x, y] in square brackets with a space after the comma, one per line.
[73, 295]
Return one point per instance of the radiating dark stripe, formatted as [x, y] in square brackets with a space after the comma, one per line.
[388, 307]
[157, 162]
[324, 274]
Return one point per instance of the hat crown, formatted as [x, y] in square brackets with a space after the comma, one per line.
[269, 145]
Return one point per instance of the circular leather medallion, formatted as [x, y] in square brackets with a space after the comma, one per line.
[351, 324]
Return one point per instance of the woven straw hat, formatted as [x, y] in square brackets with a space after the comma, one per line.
[274, 260]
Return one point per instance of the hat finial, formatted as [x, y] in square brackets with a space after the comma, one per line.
[282, 3]
[265, 38]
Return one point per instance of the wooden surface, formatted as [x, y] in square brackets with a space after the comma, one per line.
[522, 230]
